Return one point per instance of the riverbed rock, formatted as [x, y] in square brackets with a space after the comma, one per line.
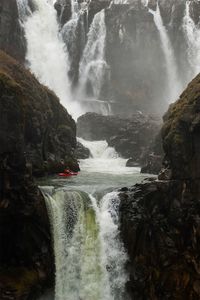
[160, 219]
[129, 136]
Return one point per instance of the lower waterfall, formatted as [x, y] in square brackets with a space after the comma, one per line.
[90, 259]
[89, 256]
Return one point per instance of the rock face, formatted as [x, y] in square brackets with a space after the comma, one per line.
[153, 157]
[11, 34]
[44, 131]
[37, 136]
[129, 136]
[160, 219]
[181, 132]
[82, 152]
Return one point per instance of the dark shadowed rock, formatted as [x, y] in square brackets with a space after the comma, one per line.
[11, 34]
[160, 228]
[37, 136]
[43, 130]
[181, 132]
[82, 152]
[152, 159]
[160, 220]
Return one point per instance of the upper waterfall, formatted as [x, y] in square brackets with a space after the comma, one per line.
[93, 67]
[47, 55]
[192, 33]
[174, 85]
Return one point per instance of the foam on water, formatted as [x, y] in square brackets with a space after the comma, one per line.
[104, 159]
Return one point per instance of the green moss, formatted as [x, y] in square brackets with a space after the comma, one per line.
[7, 83]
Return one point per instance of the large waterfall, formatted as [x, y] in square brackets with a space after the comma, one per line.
[174, 86]
[192, 33]
[89, 257]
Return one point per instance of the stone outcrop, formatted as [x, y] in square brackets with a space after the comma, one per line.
[129, 136]
[11, 34]
[37, 137]
[153, 157]
[160, 218]
[82, 152]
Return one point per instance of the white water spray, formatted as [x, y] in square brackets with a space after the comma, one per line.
[145, 2]
[89, 255]
[192, 34]
[104, 159]
[174, 85]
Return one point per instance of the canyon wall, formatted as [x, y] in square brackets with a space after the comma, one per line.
[160, 218]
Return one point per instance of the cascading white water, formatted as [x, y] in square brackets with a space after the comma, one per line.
[174, 85]
[89, 256]
[192, 33]
[23, 9]
[46, 52]
[145, 2]
[93, 67]
[104, 159]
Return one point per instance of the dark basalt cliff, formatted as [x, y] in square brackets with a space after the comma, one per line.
[12, 38]
[37, 136]
[160, 220]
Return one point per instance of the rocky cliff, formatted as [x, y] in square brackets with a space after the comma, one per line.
[37, 137]
[160, 219]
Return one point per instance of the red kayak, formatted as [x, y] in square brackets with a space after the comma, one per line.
[68, 174]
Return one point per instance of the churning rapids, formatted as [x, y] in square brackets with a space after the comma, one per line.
[89, 256]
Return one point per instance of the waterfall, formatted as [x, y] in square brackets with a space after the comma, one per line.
[173, 82]
[23, 9]
[192, 33]
[89, 256]
[47, 56]
[104, 159]
[93, 67]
